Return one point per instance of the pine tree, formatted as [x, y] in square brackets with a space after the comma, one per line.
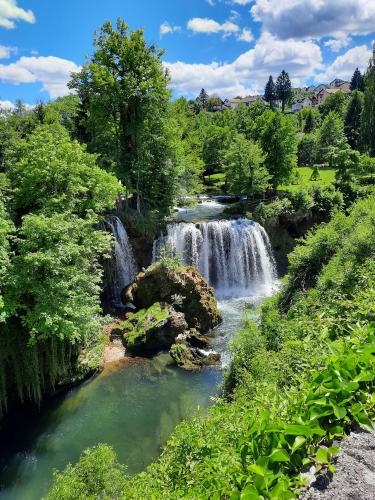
[357, 81]
[283, 88]
[368, 113]
[353, 119]
[203, 99]
[270, 92]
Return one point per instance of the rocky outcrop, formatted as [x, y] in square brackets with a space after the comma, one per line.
[181, 287]
[176, 308]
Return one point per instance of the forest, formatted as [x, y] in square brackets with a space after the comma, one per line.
[121, 142]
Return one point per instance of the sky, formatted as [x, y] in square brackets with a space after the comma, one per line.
[228, 47]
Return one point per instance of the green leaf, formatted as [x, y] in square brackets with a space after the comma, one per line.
[363, 419]
[298, 442]
[279, 455]
[339, 411]
[257, 469]
[322, 455]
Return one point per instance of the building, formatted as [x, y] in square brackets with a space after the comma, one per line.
[306, 102]
[232, 103]
[324, 93]
[250, 99]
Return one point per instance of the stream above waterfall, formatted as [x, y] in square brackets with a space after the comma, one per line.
[136, 405]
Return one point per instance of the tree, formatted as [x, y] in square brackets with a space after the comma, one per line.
[213, 103]
[278, 141]
[307, 150]
[216, 141]
[335, 102]
[331, 135]
[352, 124]
[51, 173]
[357, 81]
[368, 113]
[245, 171]
[124, 96]
[346, 162]
[283, 89]
[270, 92]
[309, 124]
[203, 99]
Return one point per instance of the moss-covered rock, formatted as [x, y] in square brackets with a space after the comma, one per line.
[193, 358]
[181, 287]
[152, 329]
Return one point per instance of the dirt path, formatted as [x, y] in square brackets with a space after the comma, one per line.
[354, 477]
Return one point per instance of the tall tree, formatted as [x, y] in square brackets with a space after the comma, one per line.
[270, 92]
[283, 88]
[278, 141]
[124, 106]
[245, 171]
[357, 81]
[203, 99]
[331, 135]
[309, 124]
[368, 113]
[353, 119]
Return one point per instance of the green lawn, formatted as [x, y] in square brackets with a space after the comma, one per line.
[326, 177]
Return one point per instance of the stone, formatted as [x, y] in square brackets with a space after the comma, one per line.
[183, 288]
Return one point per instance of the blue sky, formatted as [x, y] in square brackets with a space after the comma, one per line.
[228, 47]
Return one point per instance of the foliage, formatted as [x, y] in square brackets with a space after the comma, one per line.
[245, 173]
[124, 106]
[270, 92]
[357, 82]
[334, 103]
[330, 136]
[307, 150]
[353, 119]
[278, 142]
[97, 472]
[368, 114]
[283, 89]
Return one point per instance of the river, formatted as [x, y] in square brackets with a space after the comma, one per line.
[134, 407]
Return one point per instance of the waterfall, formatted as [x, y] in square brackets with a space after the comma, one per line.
[122, 268]
[234, 256]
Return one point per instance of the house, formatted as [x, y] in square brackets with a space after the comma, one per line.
[305, 102]
[337, 82]
[250, 99]
[232, 103]
[324, 93]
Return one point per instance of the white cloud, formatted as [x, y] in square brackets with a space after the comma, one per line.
[10, 12]
[245, 35]
[167, 28]
[6, 105]
[338, 43]
[6, 52]
[52, 72]
[343, 67]
[241, 2]
[315, 18]
[249, 72]
[208, 26]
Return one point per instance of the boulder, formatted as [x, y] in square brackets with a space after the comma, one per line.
[193, 358]
[152, 329]
[181, 287]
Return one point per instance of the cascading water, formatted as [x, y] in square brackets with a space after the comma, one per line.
[234, 256]
[122, 268]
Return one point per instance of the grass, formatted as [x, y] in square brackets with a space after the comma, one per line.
[326, 178]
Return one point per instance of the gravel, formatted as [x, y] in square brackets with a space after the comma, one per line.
[354, 476]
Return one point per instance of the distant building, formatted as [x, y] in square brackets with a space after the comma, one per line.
[324, 93]
[337, 82]
[232, 103]
[250, 99]
[303, 103]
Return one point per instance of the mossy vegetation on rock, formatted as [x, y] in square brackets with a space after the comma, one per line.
[153, 328]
